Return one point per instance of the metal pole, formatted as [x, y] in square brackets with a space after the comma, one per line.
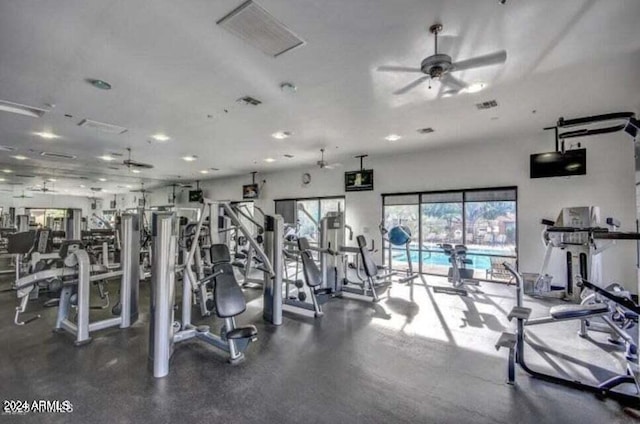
[73, 224]
[162, 291]
[23, 223]
[129, 262]
[84, 287]
[272, 287]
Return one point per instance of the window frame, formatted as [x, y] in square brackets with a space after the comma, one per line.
[464, 202]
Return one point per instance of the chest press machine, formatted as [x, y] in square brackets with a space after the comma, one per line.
[228, 299]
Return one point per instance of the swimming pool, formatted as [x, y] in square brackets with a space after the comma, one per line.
[439, 259]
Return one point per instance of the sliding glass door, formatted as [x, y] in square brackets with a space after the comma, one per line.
[484, 220]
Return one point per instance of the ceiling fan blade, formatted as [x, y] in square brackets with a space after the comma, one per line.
[453, 82]
[397, 69]
[495, 58]
[412, 85]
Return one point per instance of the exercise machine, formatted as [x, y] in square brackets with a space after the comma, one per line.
[576, 232]
[164, 332]
[459, 275]
[400, 236]
[76, 276]
[515, 342]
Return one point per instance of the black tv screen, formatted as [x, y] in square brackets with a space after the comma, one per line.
[358, 180]
[557, 164]
[195, 196]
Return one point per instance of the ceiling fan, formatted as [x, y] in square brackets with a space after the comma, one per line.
[22, 196]
[323, 164]
[132, 164]
[440, 66]
[42, 189]
[140, 190]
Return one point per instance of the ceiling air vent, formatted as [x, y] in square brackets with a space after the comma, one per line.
[260, 29]
[101, 126]
[7, 148]
[425, 130]
[19, 109]
[248, 100]
[487, 105]
[25, 176]
[288, 156]
[58, 155]
[96, 188]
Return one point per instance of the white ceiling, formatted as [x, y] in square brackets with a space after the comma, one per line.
[171, 67]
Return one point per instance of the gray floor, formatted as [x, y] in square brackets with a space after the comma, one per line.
[417, 357]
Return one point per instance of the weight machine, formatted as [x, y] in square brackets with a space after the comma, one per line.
[76, 276]
[164, 332]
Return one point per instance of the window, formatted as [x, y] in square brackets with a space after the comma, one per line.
[482, 219]
[307, 213]
[49, 218]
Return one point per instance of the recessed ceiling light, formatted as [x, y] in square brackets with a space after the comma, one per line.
[102, 179]
[269, 160]
[160, 137]
[106, 158]
[475, 87]
[46, 135]
[53, 180]
[393, 137]
[128, 186]
[7, 171]
[19, 157]
[2, 179]
[204, 171]
[102, 85]
[82, 186]
[281, 135]
[136, 171]
[190, 158]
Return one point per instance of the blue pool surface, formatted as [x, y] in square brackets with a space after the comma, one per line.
[440, 259]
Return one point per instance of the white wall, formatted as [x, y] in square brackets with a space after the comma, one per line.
[609, 183]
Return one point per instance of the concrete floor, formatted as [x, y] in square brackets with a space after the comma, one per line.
[416, 357]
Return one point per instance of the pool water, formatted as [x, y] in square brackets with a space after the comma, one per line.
[439, 259]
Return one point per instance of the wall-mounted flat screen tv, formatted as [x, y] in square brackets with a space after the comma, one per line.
[250, 191]
[195, 196]
[557, 164]
[361, 180]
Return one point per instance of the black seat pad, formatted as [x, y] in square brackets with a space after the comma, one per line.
[219, 253]
[369, 265]
[312, 274]
[227, 295]
[242, 332]
[578, 311]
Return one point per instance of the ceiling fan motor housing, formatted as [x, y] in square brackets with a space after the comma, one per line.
[437, 65]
